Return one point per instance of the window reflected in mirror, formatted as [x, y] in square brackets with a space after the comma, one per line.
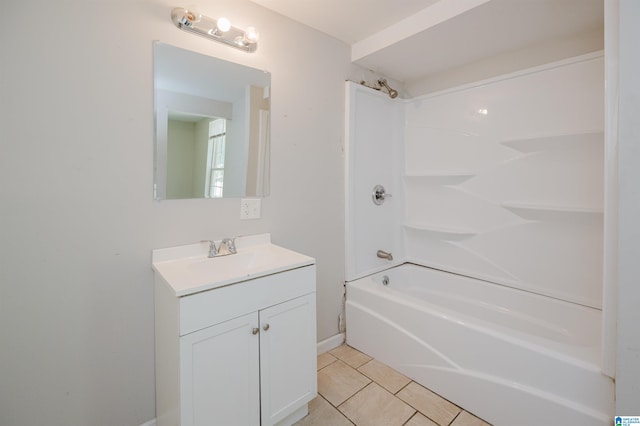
[215, 158]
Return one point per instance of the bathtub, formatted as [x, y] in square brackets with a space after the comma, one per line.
[508, 356]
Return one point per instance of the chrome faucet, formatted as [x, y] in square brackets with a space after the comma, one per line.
[227, 246]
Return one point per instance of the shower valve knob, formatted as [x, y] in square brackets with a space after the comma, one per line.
[379, 194]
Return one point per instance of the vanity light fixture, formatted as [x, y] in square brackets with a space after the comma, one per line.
[215, 29]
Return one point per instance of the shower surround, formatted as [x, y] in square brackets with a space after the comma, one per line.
[501, 183]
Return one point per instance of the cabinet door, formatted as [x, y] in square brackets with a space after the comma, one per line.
[288, 377]
[219, 376]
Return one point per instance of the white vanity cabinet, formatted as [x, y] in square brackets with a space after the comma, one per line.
[240, 354]
[287, 369]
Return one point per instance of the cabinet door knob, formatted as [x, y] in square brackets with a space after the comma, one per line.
[255, 330]
[265, 327]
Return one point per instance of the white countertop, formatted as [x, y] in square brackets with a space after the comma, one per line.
[188, 269]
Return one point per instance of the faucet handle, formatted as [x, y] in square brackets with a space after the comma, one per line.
[212, 247]
[229, 244]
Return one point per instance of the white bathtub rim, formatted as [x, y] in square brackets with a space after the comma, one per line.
[462, 273]
[499, 332]
[589, 356]
[491, 327]
[594, 348]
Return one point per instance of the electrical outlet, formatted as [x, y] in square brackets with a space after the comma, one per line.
[250, 208]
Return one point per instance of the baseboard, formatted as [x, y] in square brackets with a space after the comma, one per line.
[149, 423]
[330, 343]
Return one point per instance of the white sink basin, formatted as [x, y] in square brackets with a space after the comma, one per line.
[188, 269]
[224, 265]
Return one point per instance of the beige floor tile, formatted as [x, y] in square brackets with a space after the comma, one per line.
[338, 381]
[468, 419]
[321, 413]
[325, 359]
[420, 420]
[351, 356]
[428, 403]
[375, 406]
[384, 375]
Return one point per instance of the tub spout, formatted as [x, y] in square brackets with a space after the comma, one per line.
[384, 255]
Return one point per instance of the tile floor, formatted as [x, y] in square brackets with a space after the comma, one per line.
[355, 389]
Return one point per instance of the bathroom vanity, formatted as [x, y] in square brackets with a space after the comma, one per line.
[235, 335]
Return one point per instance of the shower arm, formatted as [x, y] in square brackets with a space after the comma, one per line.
[383, 83]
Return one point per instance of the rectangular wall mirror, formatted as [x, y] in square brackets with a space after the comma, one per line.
[212, 126]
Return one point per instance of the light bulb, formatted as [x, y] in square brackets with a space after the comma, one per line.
[223, 25]
[251, 35]
[191, 17]
[185, 17]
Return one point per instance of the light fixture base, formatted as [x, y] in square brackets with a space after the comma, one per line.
[208, 27]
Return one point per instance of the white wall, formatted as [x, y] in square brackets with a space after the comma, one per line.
[200, 168]
[508, 62]
[77, 219]
[628, 345]
[181, 155]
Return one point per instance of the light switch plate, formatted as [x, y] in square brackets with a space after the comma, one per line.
[250, 208]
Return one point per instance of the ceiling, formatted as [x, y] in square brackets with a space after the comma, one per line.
[347, 20]
[410, 39]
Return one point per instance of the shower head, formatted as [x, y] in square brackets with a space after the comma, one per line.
[392, 93]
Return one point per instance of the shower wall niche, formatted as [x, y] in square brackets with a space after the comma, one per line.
[500, 180]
